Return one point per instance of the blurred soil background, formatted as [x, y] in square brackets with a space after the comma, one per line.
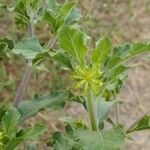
[121, 20]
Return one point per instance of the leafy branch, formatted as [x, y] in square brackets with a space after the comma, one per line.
[26, 76]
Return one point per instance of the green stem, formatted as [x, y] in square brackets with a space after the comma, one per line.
[90, 106]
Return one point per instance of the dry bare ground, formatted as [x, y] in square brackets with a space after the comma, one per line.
[123, 21]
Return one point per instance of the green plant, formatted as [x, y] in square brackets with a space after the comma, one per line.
[97, 78]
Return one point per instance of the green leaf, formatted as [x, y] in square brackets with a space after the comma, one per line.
[14, 143]
[3, 50]
[67, 140]
[140, 47]
[114, 73]
[75, 16]
[59, 56]
[115, 69]
[21, 18]
[58, 15]
[73, 42]
[53, 7]
[74, 124]
[34, 3]
[28, 47]
[3, 6]
[113, 62]
[32, 133]
[51, 13]
[62, 58]
[112, 139]
[112, 88]
[40, 58]
[114, 79]
[64, 12]
[62, 141]
[40, 11]
[10, 121]
[104, 140]
[126, 52]
[102, 50]
[51, 20]
[123, 51]
[66, 9]
[103, 109]
[143, 124]
[52, 101]
[8, 42]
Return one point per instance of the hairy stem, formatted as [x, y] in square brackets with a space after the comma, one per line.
[28, 71]
[91, 112]
[26, 75]
[23, 85]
